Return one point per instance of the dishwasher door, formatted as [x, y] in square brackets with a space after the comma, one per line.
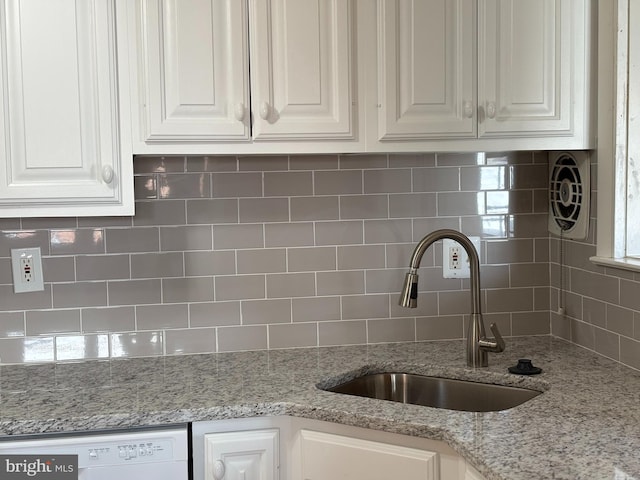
[158, 454]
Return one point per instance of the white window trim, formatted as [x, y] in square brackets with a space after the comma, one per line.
[613, 127]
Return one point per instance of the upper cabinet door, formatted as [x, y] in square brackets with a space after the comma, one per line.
[60, 141]
[526, 71]
[194, 68]
[302, 69]
[426, 69]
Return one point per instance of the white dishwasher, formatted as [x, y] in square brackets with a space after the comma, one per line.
[154, 454]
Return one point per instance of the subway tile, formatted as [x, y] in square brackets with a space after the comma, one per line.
[342, 333]
[529, 274]
[237, 184]
[511, 251]
[311, 259]
[238, 236]
[387, 231]
[460, 203]
[138, 344]
[314, 208]
[313, 162]
[397, 180]
[630, 352]
[157, 317]
[77, 241]
[340, 283]
[288, 184]
[104, 222]
[81, 347]
[454, 303]
[23, 239]
[157, 265]
[572, 305]
[287, 285]
[494, 276]
[424, 226]
[365, 307]
[59, 269]
[6, 275]
[361, 257]
[262, 261]
[484, 178]
[295, 335]
[583, 334]
[27, 350]
[190, 341]
[339, 233]
[530, 323]
[607, 343]
[263, 163]
[165, 212]
[486, 226]
[186, 238]
[360, 161]
[242, 338]
[197, 264]
[528, 225]
[181, 186]
[364, 206]
[145, 187]
[288, 234]
[134, 292]
[240, 287]
[541, 298]
[80, 294]
[436, 179]
[427, 306]
[12, 325]
[399, 255]
[619, 320]
[391, 330]
[636, 325]
[411, 205]
[510, 300]
[220, 163]
[513, 158]
[10, 223]
[10, 301]
[214, 314]
[338, 182]
[316, 309]
[502, 321]
[108, 319]
[47, 322]
[460, 159]
[131, 240]
[384, 280]
[596, 286]
[214, 211]
[440, 327]
[629, 293]
[158, 164]
[49, 223]
[256, 312]
[399, 160]
[198, 289]
[528, 176]
[259, 210]
[102, 267]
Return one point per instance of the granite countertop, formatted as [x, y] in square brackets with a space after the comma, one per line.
[586, 425]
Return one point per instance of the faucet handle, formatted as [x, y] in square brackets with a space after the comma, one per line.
[497, 345]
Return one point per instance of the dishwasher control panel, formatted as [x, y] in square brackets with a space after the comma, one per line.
[130, 452]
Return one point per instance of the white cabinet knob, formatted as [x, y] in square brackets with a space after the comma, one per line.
[107, 174]
[491, 110]
[218, 470]
[239, 112]
[468, 109]
[265, 109]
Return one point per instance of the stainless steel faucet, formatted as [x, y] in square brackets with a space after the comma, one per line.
[478, 345]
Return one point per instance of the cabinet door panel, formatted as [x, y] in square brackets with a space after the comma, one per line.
[327, 456]
[195, 70]
[59, 132]
[525, 85]
[426, 69]
[301, 69]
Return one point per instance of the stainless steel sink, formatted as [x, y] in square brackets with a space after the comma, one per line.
[436, 392]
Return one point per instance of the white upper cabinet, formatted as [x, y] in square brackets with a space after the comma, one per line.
[426, 69]
[483, 75]
[63, 149]
[216, 72]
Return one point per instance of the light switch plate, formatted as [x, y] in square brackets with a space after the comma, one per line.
[26, 265]
[455, 261]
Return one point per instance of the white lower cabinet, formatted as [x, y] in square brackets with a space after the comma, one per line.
[289, 448]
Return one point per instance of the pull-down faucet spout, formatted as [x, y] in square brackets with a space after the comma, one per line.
[478, 345]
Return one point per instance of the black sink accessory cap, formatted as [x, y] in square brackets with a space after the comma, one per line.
[525, 367]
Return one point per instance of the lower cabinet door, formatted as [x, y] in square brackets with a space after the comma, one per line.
[244, 455]
[325, 456]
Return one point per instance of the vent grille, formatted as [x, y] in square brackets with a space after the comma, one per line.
[569, 190]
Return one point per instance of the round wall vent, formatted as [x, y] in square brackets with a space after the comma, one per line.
[569, 189]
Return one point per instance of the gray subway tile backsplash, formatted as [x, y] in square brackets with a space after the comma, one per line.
[232, 253]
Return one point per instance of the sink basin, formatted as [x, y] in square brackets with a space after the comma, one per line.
[436, 392]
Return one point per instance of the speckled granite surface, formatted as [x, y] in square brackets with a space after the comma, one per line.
[585, 426]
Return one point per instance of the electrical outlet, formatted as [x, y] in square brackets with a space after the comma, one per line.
[455, 261]
[26, 264]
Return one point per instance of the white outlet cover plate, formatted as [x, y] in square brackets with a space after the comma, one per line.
[464, 271]
[37, 283]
